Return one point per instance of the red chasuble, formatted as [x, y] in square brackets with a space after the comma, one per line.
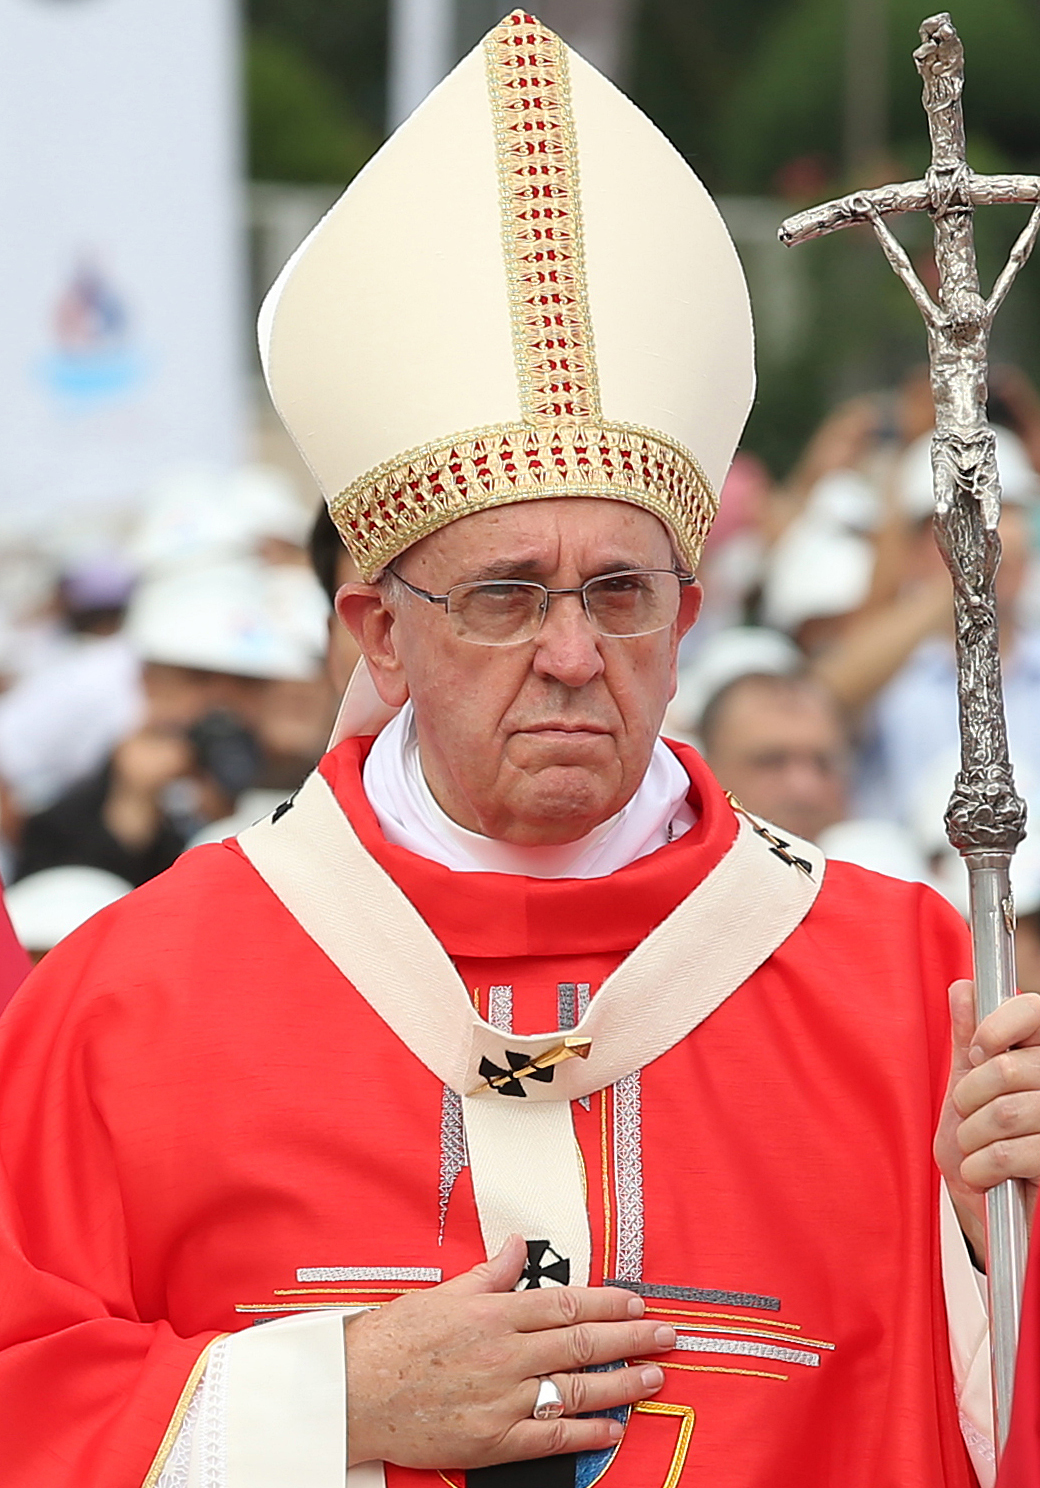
[202, 1125]
[14, 962]
[1020, 1463]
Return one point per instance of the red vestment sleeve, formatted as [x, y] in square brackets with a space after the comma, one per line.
[14, 961]
[1020, 1464]
[88, 1386]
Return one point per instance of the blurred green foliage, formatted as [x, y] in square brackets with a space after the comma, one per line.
[787, 100]
[343, 43]
[300, 126]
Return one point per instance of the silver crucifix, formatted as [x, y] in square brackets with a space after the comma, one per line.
[985, 819]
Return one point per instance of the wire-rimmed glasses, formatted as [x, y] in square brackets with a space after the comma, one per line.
[508, 612]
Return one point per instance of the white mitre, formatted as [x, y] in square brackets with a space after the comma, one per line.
[526, 293]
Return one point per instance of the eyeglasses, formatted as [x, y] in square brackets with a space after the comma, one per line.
[507, 612]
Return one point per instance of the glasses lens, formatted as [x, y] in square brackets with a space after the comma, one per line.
[632, 604]
[496, 614]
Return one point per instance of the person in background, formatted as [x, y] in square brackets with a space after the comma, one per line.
[781, 745]
[47, 906]
[114, 821]
[59, 723]
[134, 818]
[334, 567]
[234, 636]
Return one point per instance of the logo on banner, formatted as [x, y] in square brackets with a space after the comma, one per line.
[93, 356]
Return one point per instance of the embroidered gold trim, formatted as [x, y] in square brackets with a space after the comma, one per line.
[682, 1446]
[295, 1306]
[729, 1317]
[393, 506]
[179, 1412]
[715, 1369]
[542, 239]
[604, 1158]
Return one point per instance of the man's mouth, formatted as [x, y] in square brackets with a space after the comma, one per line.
[564, 728]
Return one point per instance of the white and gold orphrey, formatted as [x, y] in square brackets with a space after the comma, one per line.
[527, 293]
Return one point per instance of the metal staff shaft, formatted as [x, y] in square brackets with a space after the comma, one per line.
[985, 819]
[1007, 1235]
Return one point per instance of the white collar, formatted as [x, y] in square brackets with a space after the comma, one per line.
[410, 817]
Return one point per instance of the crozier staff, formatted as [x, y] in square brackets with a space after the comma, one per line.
[593, 1117]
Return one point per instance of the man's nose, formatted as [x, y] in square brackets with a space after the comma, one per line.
[567, 647]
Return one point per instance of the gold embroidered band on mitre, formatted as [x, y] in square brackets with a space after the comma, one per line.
[563, 446]
[542, 231]
[395, 505]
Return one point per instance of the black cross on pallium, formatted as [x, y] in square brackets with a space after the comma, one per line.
[779, 848]
[543, 1263]
[490, 1072]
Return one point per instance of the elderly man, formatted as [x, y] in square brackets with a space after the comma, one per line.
[583, 1107]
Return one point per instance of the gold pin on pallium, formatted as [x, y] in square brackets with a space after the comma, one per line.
[777, 845]
[539, 1067]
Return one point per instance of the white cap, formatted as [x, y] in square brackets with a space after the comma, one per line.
[845, 499]
[47, 906]
[927, 810]
[881, 846]
[814, 571]
[245, 618]
[724, 657]
[202, 515]
[1019, 482]
[526, 293]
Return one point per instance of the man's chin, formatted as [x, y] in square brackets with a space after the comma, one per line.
[561, 803]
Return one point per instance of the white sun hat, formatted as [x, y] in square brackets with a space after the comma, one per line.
[526, 293]
[814, 571]
[736, 652]
[47, 906]
[201, 515]
[244, 618]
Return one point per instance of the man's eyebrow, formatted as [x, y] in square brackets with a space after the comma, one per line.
[534, 569]
[504, 568]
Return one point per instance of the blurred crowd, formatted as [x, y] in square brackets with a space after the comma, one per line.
[159, 690]
[169, 689]
[821, 681]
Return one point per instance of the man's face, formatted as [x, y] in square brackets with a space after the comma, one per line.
[784, 756]
[534, 743]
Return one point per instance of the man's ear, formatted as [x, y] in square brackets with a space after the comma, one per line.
[361, 608]
[689, 609]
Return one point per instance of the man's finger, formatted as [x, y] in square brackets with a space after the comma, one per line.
[962, 1029]
[1005, 1074]
[530, 1439]
[500, 1273]
[1015, 1023]
[1013, 1157]
[558, 1307]
[597, 1391]
[564, 1350]
[1004, 1119]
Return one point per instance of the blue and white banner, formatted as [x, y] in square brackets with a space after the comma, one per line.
[121, 274]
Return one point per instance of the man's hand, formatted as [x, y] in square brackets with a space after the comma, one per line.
[990, 1126]
[447, 1378]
